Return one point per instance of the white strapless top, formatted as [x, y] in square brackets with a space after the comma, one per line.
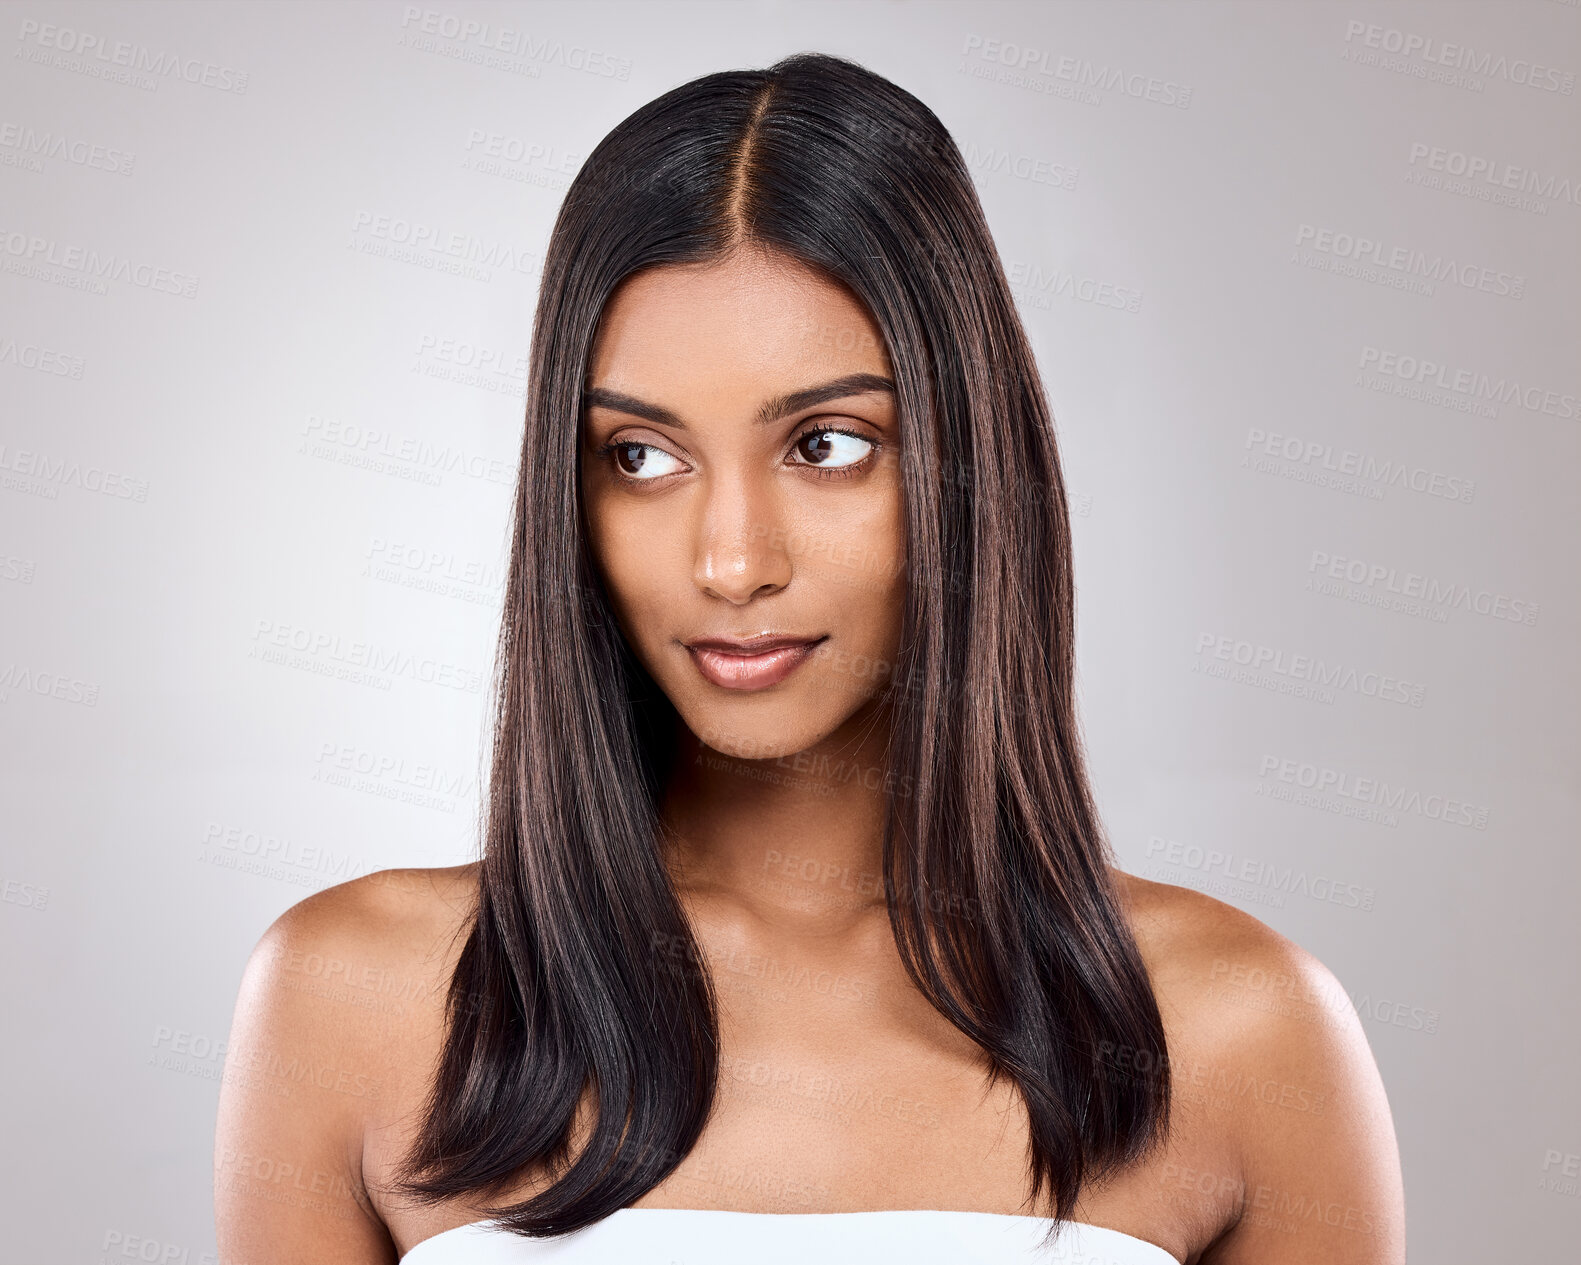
[711, 1236]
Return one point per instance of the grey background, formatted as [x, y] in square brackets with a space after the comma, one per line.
[236, 415]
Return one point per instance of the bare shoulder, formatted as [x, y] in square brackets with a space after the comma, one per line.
[1192, 942]
[394, 915]
[373, 948]
[363, 965]
[1267, 1052]
[340, 999]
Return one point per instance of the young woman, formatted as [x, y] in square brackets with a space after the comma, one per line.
[795, 934]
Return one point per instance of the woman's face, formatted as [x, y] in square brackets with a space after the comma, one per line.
[741, 475]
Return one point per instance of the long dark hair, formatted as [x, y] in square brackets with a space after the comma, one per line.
[580, 971]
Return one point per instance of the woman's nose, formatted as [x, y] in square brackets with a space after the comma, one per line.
[741, 547]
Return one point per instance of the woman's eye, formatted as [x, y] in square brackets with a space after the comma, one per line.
[832, 449]
[641, 461]
[830, 452]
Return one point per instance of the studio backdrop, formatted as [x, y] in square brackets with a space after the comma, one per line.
[1302, 282]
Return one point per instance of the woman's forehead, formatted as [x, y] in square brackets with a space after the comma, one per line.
[723, 330]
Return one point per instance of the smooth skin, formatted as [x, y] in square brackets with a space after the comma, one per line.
[714, 510]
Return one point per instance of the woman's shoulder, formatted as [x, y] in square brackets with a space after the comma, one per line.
[1267, 1053]
[359, 973]
[338, 1014]
[1230, 986]
[377, 905]
[382, 942]
[352, 961]
[1195, 944]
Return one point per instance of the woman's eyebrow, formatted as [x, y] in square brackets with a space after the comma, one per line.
[771, 410]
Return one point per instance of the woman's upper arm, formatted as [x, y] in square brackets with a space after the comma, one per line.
[1320, 1179]
[288, 1183]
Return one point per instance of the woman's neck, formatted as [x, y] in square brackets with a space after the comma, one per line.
[796, 833]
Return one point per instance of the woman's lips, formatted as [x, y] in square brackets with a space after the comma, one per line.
[751, 671]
